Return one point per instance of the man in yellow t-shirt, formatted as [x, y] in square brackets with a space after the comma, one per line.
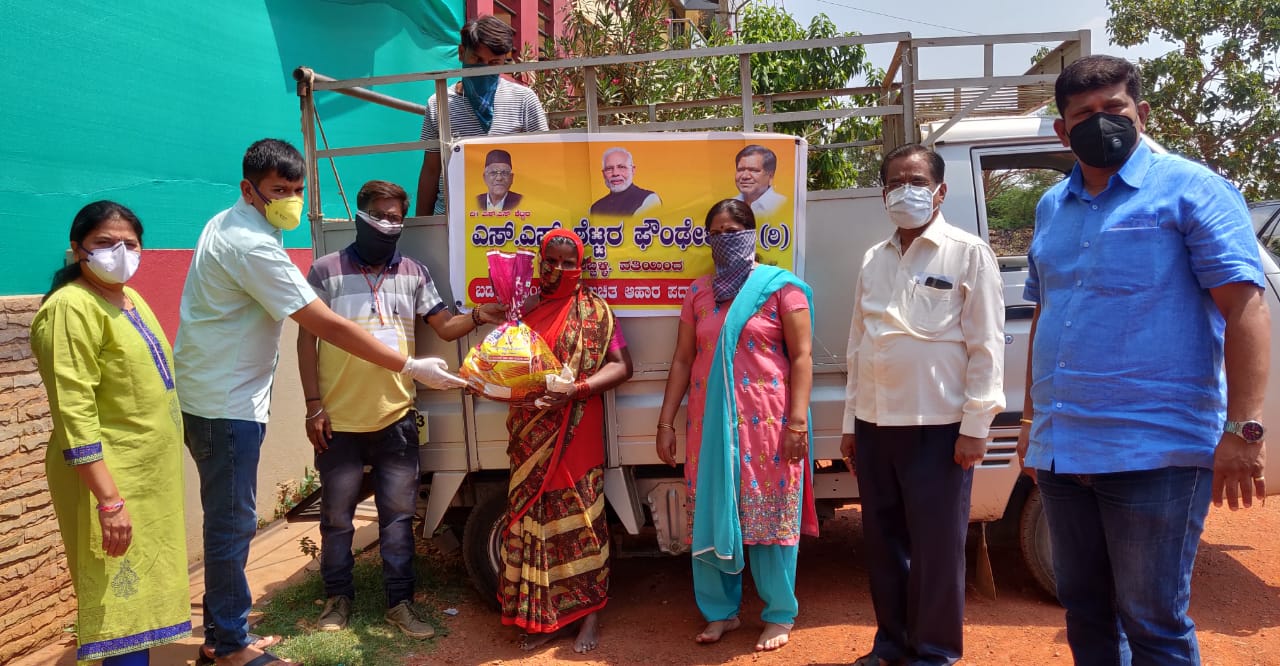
[360, 414]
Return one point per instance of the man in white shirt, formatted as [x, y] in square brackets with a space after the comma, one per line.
[925, 364]
[753, 175]
[239, 290]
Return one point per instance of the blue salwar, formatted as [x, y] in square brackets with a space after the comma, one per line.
[719, 555]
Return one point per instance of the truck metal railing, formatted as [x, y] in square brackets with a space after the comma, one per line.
[902, 99]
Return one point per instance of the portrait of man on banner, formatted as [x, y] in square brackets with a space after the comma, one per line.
[624, 197]
[498, 175]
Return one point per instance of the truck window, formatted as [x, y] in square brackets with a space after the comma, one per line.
[1012, 185]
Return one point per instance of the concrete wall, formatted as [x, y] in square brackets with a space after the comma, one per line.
[36, 599]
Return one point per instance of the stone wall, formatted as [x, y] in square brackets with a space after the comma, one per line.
[36, 599]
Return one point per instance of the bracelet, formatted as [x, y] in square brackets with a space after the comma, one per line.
[581, 389]
[318, 413]
[799, 431]
[111, 508]
[475, 316]
[668, 426]
[1025, 421]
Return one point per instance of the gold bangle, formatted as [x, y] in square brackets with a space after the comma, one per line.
[1025, 421]
[668, 426]
[800, 431]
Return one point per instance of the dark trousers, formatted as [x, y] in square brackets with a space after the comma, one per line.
[392, 454]
[915, 514]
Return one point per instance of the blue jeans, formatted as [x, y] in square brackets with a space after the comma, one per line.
[226, 456]
[393, 455]
[1123, 548]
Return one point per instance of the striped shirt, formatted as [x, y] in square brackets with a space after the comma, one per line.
[360, 396]
[516, 109]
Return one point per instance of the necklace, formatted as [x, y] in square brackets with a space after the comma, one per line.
[118, 299]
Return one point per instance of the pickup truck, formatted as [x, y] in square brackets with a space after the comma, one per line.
[1005, 151]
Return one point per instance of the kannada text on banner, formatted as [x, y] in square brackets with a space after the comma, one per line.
[638, 202]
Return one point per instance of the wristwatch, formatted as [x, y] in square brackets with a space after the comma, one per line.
[1251, 432]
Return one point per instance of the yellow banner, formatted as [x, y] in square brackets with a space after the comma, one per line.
[638, 202]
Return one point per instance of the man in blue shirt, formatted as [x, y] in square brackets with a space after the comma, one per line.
[1149, 356]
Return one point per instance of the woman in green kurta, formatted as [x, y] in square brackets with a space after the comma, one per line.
[117, 438]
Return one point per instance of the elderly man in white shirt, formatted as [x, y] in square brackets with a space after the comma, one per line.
[925, 367]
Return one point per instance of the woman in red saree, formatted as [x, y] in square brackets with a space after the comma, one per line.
[555, 551]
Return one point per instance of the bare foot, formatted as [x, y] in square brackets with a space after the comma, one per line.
[716, 629]
[588, 634]
[773, 637]
[535, 641]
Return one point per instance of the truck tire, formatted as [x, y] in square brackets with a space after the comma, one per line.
[1033, 536]
[481, 546]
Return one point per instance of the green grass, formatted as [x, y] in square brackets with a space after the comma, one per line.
[369, 640]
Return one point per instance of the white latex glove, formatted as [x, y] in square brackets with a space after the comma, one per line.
[432, 372]
[562, 382]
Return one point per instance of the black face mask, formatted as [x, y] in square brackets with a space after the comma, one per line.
[1104, 140]
[373, 246]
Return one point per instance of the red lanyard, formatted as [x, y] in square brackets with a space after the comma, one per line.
[376, 306]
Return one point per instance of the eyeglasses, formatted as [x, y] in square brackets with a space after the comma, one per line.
[388, 217]
[497, 173]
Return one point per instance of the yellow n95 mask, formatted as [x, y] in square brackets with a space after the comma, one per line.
[284, 213]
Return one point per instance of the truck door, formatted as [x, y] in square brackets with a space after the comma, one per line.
[1008, 182]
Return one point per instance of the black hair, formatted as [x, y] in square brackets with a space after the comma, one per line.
[770, 159]
[381, 189]
[268, 155]
[86, 221]
[490, 31]
[734, 208]
[1094, 72]
[937, 167]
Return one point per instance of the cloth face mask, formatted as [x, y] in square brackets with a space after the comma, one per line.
[115, 264]
[376, 239]
[479, 91]
[734, 254]
[910, 206]
[558, 282]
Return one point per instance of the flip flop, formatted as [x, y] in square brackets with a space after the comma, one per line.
[267, 659]
[206, 659]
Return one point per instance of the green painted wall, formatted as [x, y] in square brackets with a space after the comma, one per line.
[152, 103]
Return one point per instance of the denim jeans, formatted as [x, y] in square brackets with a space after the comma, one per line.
[1123, 547]
[226, 456]
[393, 455]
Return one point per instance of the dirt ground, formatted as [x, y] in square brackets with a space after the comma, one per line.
[651, 617]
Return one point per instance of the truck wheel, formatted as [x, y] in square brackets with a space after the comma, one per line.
[1037, 552]
[481, 546]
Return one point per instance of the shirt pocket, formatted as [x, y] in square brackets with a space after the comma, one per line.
[1134, 259]
[931, 311]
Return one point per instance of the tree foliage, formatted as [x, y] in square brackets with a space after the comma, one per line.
[1214, 99]
[616, 27]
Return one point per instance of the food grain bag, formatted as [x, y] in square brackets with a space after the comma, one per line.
[512, 361]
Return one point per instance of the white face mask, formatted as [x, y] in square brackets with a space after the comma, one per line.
[114, 265]
[910, 206]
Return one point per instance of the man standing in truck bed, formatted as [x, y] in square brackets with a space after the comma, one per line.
[478, 106]
[1149, 356]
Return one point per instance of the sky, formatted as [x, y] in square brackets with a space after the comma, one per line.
[951, 18]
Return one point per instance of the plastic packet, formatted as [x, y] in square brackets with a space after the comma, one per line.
[512, 361]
